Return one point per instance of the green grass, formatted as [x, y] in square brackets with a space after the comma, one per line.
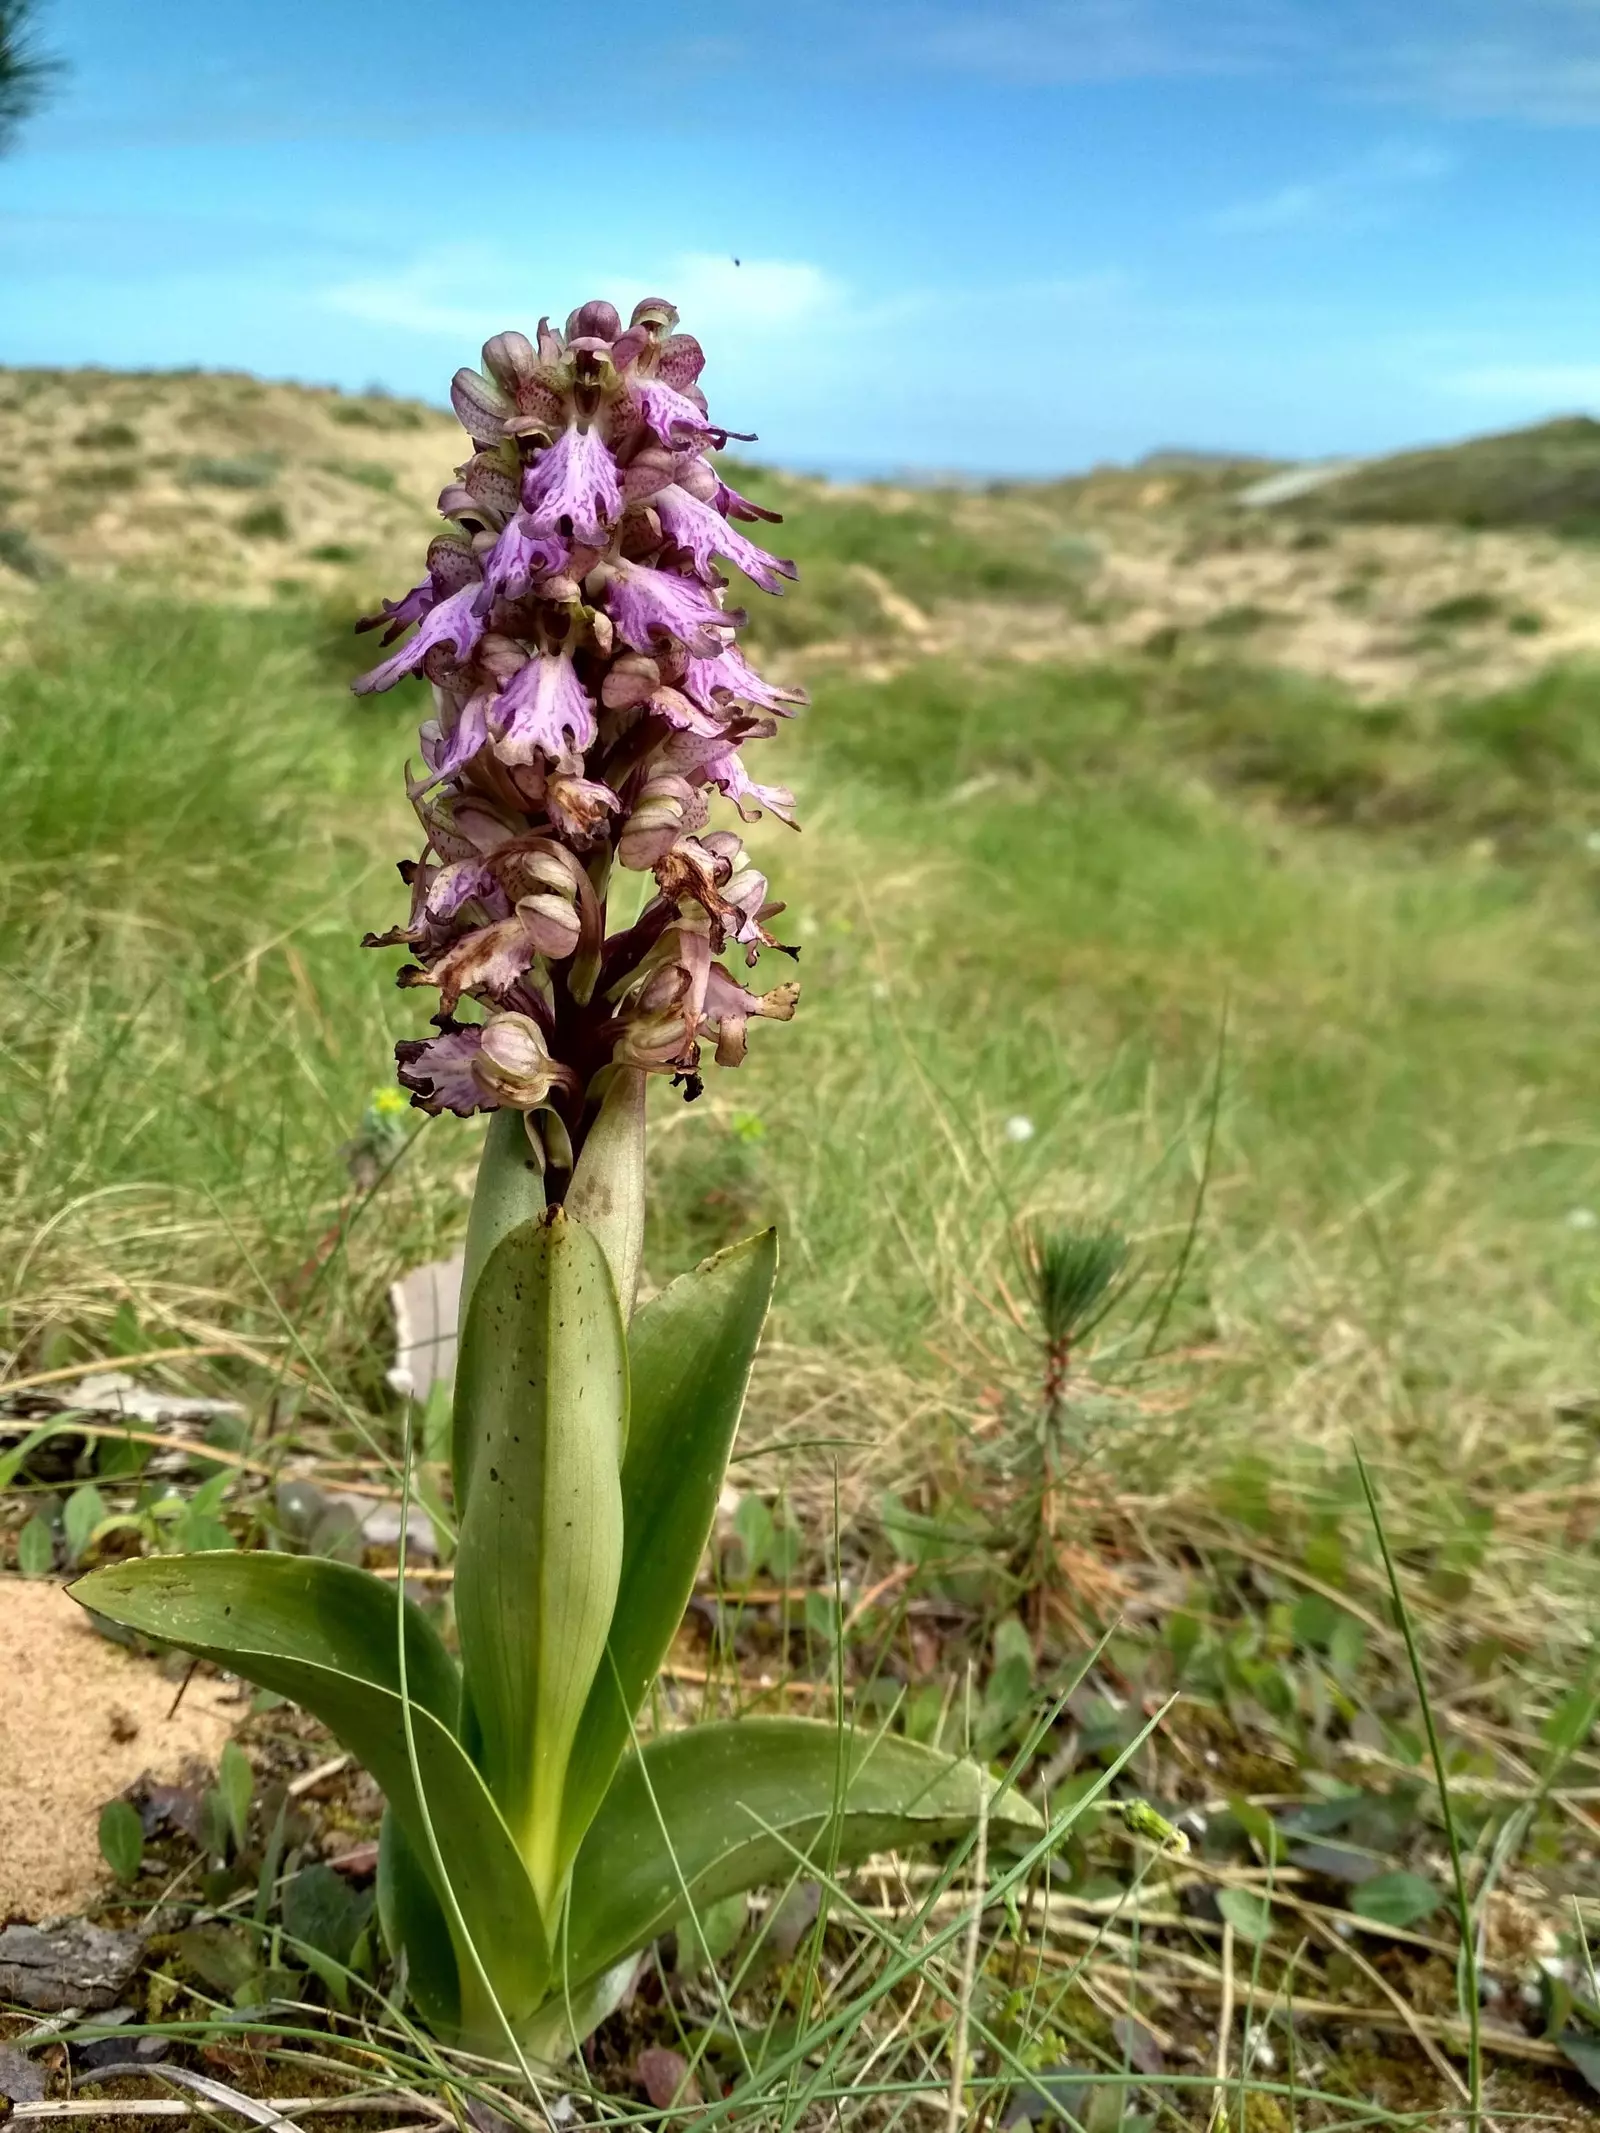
[1548, 476]
[1295, 994]
[1023, 892]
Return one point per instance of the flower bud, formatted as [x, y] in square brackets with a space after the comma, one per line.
[596, 319]
[480, 405]
[632, 679]
[509, 358]
[666, 808]
[552, 924]
[513, 1062]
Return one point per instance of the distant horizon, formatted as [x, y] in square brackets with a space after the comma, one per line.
[845, 469]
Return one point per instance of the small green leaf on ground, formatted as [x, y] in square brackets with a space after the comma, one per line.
[121, 1839]
[36, 1548]
[1397, 1899]
[1247, 1911]
[1584, 2053]
[85, 1508]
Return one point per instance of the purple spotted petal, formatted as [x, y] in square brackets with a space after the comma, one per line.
[732, 505]
[455, 622]
[674, 419]
[680, 361]
[543, 710]
[725, 771]
[647, 605]
[458, 884]
[730, 676]
[481, 407]
[398, 615]
[471, 733]
[573, 489]
[521, 556]
[706, 534]
[438, 1072]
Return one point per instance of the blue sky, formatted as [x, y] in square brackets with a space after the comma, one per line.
[1018, 235]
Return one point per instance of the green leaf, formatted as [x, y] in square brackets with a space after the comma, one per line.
[414, 1926]
[227, 1958]
[690, 1351]
[236, 1783]
[13, 1461]
[325, 1918]
[36, 1548]
[122, 1839]
[694, 1816]
[1583, 2052]
[1248, 1912]
[707, 1935]
[83, 1511]
[1397, 1899]
[541, 1405]
[327, 1636]
[607, 1190]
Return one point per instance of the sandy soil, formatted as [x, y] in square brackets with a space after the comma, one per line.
[80, 1719]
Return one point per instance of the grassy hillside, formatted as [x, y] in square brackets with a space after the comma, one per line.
[1547, 476]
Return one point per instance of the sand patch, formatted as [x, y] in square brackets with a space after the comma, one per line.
[80, 1719]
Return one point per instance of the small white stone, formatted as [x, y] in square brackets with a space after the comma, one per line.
[1019, 1128]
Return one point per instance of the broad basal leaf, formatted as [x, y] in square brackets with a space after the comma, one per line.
[542, 1393]
[689, 1356]
[695, 1815]
[326, 1635]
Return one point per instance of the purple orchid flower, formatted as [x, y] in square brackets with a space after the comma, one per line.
[647, 605]
[543, 710]
[574, 489]
[521, 555]
[455, 622]
[706, 534]
[670, 416]
[438, 1071]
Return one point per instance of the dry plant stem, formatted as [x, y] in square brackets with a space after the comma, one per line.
[969, 1971]
[1468, 1972]
[1224, 2028]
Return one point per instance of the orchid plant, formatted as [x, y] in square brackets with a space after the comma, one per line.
[589, 699]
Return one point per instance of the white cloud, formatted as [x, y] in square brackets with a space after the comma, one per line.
[467, 292]
[448, 292]
[1364, 192]
[751, 295]
[1542, 385]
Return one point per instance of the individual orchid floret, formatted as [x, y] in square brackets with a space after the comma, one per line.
[543, 710]
[649, 606]
[704, 534]
[457, 622]
[572, 489]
